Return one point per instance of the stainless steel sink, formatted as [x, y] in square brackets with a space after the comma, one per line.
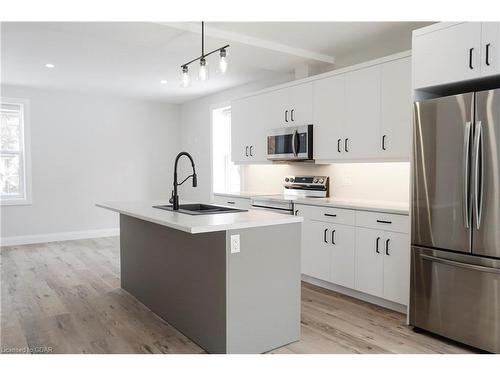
[200, 209]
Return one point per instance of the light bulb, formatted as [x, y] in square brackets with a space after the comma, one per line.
[223, 61]
[185, 81]
[203, 74]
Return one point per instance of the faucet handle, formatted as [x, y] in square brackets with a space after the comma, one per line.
[171, 200]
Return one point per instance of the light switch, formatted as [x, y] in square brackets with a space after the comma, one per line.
[235, 243]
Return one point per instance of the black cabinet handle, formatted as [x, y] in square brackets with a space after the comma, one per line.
[291, 115]
[345, 144]
[470, 58]
[376, 245]
[324, 236]
[251, 150]
[230, 202]
[387, 246]
[331, 215]
[333, 237]
[488, 54]
[296, 213]
[384, 221]
[383, 142]
[246, 151]
[286, 115]
[338, 144]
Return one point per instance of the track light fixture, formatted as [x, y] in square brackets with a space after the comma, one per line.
[203, 73]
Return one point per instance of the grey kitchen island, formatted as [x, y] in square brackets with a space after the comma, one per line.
[184, 269]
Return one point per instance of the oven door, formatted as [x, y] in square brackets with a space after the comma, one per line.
[290, 143]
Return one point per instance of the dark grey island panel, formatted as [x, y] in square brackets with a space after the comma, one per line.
[245, 302]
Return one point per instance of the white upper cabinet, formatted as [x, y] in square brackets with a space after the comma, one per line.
[291, 106]
[362, 117]
[301, 104]
[396, 109]
[249, 121]
[329, 117]
[447, 53]
[490, 48]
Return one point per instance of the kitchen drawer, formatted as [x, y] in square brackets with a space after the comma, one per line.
[382, 221]
[232, 201]
[326, 214]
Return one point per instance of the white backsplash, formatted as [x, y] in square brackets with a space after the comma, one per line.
[367, 181]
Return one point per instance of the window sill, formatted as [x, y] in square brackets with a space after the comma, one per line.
[15, 202]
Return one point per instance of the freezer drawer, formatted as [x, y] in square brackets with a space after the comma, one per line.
[457, 296]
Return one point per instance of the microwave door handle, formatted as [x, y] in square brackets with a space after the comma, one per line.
[297, 143]
[293, 143]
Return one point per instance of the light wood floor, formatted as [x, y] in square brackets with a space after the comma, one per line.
[65, 297]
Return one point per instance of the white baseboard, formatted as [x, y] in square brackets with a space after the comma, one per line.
[62, 236]
[356, 294]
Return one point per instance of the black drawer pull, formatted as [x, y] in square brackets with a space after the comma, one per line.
[384, 221]
[387, 247]
[331, 215]
[333, 237]
[338, 144]
[470, 58]
[324, 236]
[376, 245]
[230, 202]
[488, 54]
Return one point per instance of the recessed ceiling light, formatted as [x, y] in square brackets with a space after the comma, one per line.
[50, 66]
[163, 81]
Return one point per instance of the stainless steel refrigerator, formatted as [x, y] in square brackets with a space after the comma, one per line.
[455, 270]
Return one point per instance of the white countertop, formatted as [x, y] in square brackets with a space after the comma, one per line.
[242, 194]
[199, 223]
[389, 207]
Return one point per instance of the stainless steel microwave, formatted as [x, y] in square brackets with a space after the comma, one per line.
[290, 143]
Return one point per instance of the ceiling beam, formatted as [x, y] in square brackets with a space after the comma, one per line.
[230, 36]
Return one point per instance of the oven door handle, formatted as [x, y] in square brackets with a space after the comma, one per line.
[459, 264]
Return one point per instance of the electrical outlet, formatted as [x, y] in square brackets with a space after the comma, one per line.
[235, 243]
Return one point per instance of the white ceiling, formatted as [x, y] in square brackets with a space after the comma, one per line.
[130, 59]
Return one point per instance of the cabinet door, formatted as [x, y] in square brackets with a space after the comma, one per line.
[490, 48]
[328, 117]
[447, 55]
[362, 120]
[258, 128]
[396, 109]
[396, 250]
[279, 111]
[341, 241]
[315, 249]
[241, 114]
[369, 261]
[300, 104]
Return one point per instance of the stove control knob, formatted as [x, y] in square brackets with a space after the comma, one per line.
[321, 180]
[315, 181]
[291, 179]
[287, 179]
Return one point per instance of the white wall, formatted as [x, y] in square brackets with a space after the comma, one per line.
[196, 135]
[367, 181]
[86, 149]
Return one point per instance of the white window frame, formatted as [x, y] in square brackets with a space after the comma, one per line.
[25, 156]
[212, 108]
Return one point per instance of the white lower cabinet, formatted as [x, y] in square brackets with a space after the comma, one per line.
[236, 202]
[316, 255]
[382, 264]
[370, 254]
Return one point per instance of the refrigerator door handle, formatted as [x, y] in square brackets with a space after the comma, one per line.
[459, 264]
[465, 172]
[478, 173]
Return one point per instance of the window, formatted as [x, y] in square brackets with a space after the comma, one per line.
[225, 174]
[14, 155]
